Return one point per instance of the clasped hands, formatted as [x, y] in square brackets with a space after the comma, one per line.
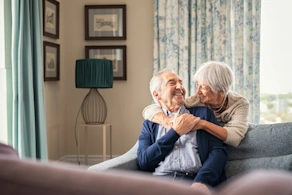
[182, 123]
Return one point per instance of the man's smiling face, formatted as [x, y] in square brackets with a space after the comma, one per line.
[172, 93]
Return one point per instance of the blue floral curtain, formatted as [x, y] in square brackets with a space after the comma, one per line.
[188, 33]
[28, 133]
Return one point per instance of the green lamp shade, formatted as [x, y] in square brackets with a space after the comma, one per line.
[94, 73]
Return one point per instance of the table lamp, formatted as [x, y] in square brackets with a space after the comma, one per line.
[94, 74]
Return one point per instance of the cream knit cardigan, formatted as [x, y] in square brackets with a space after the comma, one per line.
[235, 116]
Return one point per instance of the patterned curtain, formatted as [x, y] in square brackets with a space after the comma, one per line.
[188, 33]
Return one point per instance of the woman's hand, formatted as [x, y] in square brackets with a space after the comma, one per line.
[183, 123]
[167, 122]
[199, 125]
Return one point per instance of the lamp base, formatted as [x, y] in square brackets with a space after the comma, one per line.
[93, 108]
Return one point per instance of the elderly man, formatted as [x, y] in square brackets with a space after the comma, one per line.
[180, 152]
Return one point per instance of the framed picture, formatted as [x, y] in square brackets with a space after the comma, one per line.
[117, 54]
[51, 18]
[51, 61]
[105, 22]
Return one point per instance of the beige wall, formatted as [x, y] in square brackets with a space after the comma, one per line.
[125, 101]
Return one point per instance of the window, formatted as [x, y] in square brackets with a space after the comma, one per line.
[5, 70]
[275, 62]
[1, 34]
[3, 116]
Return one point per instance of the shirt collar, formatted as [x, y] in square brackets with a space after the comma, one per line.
[181, 110]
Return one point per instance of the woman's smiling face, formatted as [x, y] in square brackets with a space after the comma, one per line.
[206, 95]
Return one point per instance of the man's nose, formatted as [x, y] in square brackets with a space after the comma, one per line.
[179, 86]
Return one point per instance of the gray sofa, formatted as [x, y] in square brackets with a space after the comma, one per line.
[265, 147]
[273, 151]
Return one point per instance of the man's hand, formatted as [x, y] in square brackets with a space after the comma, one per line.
[184, 123]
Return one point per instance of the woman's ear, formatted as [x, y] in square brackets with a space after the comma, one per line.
[222, 93]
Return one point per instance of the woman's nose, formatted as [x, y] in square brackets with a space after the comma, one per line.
[198, 88]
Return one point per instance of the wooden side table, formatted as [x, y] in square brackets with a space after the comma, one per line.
[104, 127]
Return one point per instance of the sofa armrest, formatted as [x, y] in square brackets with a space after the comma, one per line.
[127, 161]
[8, 151]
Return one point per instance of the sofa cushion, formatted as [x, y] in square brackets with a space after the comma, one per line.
[265, 140]
[237, 167]
[127, 161]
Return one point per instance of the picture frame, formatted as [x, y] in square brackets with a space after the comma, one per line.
[51, 12]
[51, 61]
[105, 22]
[118, 54]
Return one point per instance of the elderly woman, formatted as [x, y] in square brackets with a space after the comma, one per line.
[213, 82]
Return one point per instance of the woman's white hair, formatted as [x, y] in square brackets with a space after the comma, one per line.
[156, 82]
[216, 75]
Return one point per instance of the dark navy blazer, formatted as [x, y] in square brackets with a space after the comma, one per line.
[211, 150]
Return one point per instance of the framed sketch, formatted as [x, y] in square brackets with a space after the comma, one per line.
[51, 18]
[51, 61]
[105, 22]
[117, 54]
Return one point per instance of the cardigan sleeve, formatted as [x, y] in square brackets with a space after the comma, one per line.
[150, 111]
[150, 152]
[211, 150]
[236, 125]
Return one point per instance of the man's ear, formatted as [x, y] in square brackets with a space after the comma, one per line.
[156, 95]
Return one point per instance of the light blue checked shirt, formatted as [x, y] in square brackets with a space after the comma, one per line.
[184, 157]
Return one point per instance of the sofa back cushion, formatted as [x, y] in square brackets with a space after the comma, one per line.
[265, 147]
[264, 140]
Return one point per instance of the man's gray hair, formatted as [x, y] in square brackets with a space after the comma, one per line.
[156, 82]
[217, 75]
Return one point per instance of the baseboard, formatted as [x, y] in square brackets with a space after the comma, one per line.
[92, 159]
